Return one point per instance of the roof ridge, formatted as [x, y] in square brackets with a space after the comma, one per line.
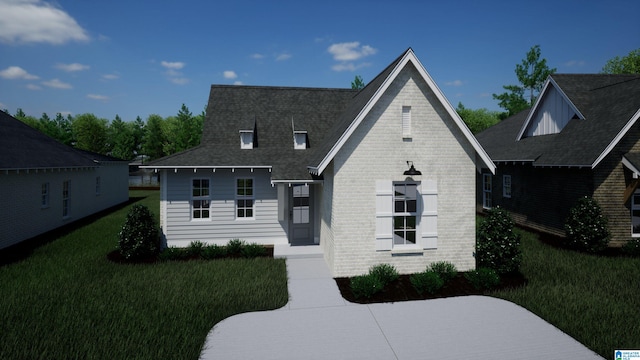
[278, 87]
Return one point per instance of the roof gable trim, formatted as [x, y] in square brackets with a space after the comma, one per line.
[409, 56]
[549, 83]
[617, 139]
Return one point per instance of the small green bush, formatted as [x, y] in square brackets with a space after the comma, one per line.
[444, 269]
[253, 250]
[632, 247]
[365, 286]
[498, 246]
[214, 251]
[385, 272]
[586, 227]
[234, 247]
[195, 248]
[138, 238]
[427, 281]
[173, 253]
[483, 278]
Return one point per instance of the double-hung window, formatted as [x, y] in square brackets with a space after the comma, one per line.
[486, 191]
[200, 200]
[66, 198]
[98, 185]
[635, 214]
[506, 186]
[405, 212]
[44, 195]
[244, 198]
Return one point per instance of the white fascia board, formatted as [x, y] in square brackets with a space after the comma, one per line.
[409, 56]
[534, 109]
[214, 168]
[291, 182]
[617, 139]
[630, 166]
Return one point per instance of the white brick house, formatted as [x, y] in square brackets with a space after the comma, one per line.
[332, 167]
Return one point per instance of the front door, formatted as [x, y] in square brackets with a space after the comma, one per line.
[301, 215]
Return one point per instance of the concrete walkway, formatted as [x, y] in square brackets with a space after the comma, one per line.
[318, 323]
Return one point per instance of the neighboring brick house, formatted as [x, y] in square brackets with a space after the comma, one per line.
[330, 167]
[581, 138]
[45, 184]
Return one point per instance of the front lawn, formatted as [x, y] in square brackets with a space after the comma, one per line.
[595, 299]
[66, 300]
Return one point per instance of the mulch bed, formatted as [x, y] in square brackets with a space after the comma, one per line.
[402, 290]
[116, 257]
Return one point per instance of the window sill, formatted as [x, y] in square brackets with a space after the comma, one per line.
[408, 251]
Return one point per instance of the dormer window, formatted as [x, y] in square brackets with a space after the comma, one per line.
[299, 140]
[246, 139]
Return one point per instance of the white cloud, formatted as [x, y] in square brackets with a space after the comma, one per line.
[454, 83]
[179, 80]
[16, 72]
[57, 84]
[172, 72]
[237, 83]
[2, 106]
[345, 66]
[177, 65]
[350, 51]
[72, 67]
[33, 87]
[229, 74]
[110, 76]
[574, 63]
[37, 21]
[283, 57]
[98, 97]
[257, 56]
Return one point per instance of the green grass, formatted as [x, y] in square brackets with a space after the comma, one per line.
[594, 299]
[67, 301]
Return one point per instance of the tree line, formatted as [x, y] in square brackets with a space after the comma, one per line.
[156, 137]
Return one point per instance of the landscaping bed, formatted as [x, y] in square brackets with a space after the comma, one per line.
[402, 289]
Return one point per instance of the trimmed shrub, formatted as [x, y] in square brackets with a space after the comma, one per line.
[586, 227]
[214, 252]
[428, 281]
[195, 248]
[444, 269]
[498, 246]
[632, 247]
[385, 272]
[483, 278]
[365, 286]
[234, 247]
[253, 250]
[139, 238]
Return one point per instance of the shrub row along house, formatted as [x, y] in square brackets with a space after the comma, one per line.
[45, 184]
[385, 174]
[581, 138]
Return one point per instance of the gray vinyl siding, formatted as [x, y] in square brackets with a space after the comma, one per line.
[222, 225]
[22, 216]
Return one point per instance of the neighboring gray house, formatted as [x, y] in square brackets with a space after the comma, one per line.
[331, 167]
[45, 184]
[581, 138]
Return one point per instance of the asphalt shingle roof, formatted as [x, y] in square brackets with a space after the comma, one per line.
[607, 102]
[273, 111]
[22, 147]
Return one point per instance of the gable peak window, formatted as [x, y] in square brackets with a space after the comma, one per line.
[406, 122]
[246, 139]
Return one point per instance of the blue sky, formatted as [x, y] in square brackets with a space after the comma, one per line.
[136, 58]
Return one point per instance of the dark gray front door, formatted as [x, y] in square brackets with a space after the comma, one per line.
[301, 215]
